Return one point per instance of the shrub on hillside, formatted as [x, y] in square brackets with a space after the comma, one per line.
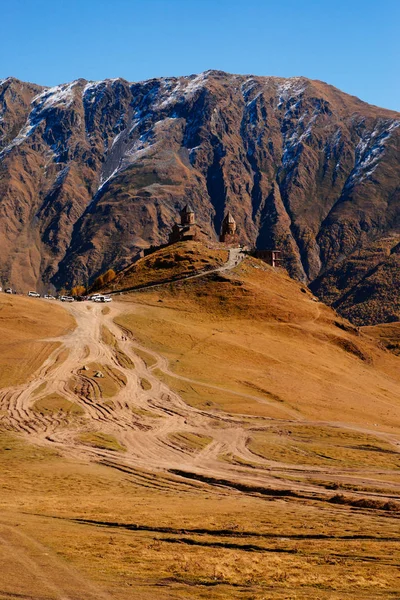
[103, 279]
[78, 290]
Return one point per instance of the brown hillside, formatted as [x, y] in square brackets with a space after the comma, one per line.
[365, 286]
[26, 324]
[179, 260]
[217, 437]
[267, 336]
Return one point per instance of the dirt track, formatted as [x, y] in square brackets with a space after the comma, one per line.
[151, 422]
[145, 422]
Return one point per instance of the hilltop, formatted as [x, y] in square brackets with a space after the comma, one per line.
[173, 262]
[268, 334]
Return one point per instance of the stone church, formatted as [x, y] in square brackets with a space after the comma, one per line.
[228, 233]
[188, 229]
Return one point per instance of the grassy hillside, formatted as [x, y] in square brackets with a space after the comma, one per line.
[258, 333]
[25, 326]
[387, 334]
[100, 532]
[277, 477]
[179, 260]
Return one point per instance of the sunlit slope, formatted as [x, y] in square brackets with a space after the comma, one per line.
[26, 326]
[387, 334]
[257, 332]
[88, 532]
[113, 488]
[182, 259]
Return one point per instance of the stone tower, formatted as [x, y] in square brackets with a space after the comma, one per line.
[187, 215]
[188, 229]
[228, 229]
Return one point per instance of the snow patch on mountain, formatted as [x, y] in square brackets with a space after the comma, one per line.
[296, 130]
[370, 149]
[94, 90]
[183, 89]
[290, 89]
[25, 132]
[55, 96]
[107, 179]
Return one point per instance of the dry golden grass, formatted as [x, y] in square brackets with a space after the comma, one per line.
[25, 324]
[321, 445]
[179, 260]
[124, 361]
[54, 403]
[40, 389]
[108, 337]
[147, 358]
[101, 440]
[110, 340]
[110, 383]
[188, 541]
[60, 358]
[190, 441]
[143, 412]
[145, 384]
[256, 333]
[270, 351]
[218, 399]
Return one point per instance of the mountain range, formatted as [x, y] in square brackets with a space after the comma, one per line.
[93, 172]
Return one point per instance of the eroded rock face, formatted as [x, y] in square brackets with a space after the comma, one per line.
[92, 172]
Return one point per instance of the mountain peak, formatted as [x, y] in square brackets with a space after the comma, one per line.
[93, 171]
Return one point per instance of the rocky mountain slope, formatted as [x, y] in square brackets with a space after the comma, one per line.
[90, 172]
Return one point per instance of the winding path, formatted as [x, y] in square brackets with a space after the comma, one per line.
[150, 423]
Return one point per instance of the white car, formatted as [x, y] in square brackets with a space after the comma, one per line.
[9, 291]
[67, 299]
[100, 298]
[34, 294]
[49, 297]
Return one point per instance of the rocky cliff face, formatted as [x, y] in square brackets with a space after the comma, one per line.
[92, 172]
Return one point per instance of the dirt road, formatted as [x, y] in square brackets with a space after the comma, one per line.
[151, 422]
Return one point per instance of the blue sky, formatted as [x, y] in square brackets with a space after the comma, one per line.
[351, 44]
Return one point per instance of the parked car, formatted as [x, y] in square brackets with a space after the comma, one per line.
[66, 299]
[34, 294]
[101, 298]
[9, 291]
[49, 297]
